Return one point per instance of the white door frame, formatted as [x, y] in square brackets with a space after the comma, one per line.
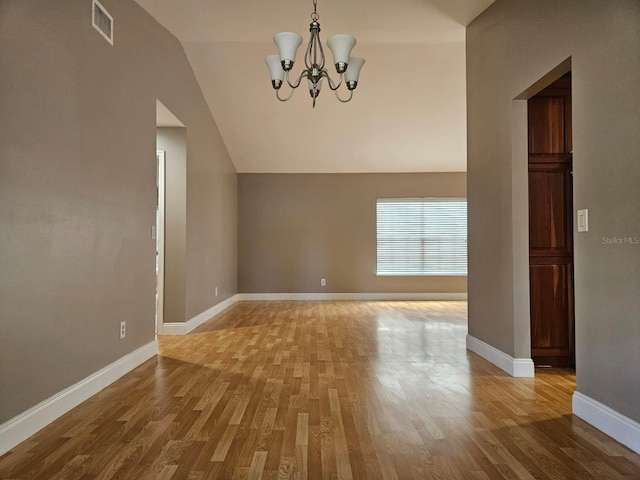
[160, 224]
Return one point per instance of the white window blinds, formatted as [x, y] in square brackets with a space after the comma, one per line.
[422, 236]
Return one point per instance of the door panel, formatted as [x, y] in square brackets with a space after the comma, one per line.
[547, 132]
[550, 222]
[552, 341]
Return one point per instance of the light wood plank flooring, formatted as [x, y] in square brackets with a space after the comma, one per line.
[325, 390]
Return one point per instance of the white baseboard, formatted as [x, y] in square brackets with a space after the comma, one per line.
[621, 428]
[351, 296]
[516, 367]
[21, 427]
[172, 328]
[178, 328]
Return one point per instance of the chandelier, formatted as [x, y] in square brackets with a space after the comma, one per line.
[341, 45]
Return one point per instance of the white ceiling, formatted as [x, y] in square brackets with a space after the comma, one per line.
[408, 113]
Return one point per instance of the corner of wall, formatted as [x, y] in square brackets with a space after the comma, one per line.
[516, 367]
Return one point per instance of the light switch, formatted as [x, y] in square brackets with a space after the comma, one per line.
[583, 220]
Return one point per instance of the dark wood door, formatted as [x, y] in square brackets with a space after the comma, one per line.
[551, 225]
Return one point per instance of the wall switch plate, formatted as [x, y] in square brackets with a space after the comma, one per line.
[216, 291]
[123, 329]
[583, 220]
[323, 282]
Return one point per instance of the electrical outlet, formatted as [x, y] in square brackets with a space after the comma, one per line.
[323, 282]
[123, 329]
[216, 291]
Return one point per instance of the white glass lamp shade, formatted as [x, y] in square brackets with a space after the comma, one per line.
[275, 67]
[341, 46]
[353, 71]
[288, 43]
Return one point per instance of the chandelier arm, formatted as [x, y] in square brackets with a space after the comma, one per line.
[345, 100]
[308, 59]
[321, 65]
[297, 84]
[332, 85]
[284, 99]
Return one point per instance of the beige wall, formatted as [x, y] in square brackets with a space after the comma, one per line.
[77, 192]
[509, 47]
[173, 141]
[295, 229]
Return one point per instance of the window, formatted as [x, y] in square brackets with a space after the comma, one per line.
[422, 236]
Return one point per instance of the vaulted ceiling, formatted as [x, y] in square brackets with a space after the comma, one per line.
[409, 110]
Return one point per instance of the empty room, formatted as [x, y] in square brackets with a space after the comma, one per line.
[319, 239]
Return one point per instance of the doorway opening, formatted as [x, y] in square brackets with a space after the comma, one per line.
[550, 165]
[171, 223]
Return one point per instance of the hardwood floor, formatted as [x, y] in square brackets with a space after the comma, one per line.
[325, 390]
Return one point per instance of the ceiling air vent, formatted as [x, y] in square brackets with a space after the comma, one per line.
[102, 21]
